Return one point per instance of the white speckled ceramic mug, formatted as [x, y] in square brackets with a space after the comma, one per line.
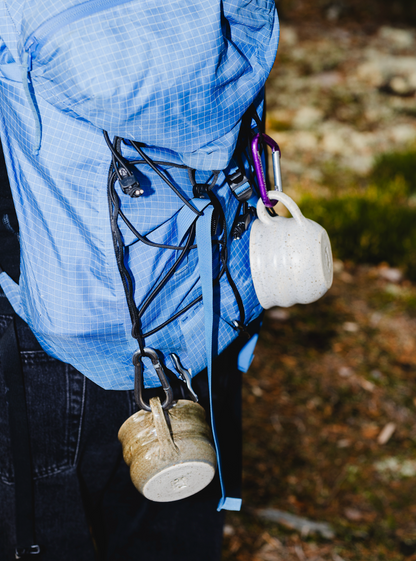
[290, 258]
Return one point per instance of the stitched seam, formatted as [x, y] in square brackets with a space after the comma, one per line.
[41, 474]
[80, 422]
[10, 16]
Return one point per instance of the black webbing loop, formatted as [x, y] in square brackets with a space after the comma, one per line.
[20, 443]
[199, 189]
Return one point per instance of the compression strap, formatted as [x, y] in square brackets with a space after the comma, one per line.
[204, 244]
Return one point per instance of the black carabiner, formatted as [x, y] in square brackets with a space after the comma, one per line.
[138, 378]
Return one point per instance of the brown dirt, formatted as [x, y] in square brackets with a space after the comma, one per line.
[326, 380]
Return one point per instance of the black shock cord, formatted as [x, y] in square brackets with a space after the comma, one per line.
[224, 257]
[139, 236]
[119, 248]
[165, 179]
[116, 212]
[113, 150]
[168, 275]
[114, 206]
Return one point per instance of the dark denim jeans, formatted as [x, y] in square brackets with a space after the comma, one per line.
[86, 507]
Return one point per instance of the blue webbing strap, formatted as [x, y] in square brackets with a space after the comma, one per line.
[204, 244]
[246, 355]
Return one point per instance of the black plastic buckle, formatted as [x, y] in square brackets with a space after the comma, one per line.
[199, 190]
[138, 378]
[22, 552]
[240, 186]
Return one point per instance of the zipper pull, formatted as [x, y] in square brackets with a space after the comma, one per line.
[29, 64]
[30, 47]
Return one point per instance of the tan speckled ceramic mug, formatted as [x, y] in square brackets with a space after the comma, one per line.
[290, 258]
[170, 453]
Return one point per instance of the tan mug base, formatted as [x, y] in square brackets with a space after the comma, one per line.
[178, 481]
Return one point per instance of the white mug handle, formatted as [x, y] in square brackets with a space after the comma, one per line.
[289, 204]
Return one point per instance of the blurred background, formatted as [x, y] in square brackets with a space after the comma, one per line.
[330, 400]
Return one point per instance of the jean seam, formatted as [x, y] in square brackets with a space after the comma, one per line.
[81, 417]
[50, 472]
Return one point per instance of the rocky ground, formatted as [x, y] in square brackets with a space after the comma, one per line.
[330, 400]
[337, 98]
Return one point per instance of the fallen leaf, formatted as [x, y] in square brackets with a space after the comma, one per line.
[350, 326]
[257, 391]
[346, 277]
[228, 530]
[300, 553]
[391, 274]
[367, 385]
[288, 360]
[345, 371]
[278, 314]
[386, 433]
[370, 431]
[353, 514]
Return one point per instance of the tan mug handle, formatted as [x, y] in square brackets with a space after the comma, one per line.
[168, 449]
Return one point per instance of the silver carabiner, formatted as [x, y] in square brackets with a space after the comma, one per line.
[185, 375]
[138, 378]
[258, 167]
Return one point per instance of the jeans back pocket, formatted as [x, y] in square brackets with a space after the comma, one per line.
[55, 395]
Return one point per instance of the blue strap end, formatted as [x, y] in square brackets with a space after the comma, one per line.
[229, 503]
[246, 355]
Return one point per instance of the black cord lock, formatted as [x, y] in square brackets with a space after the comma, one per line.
[129, 180]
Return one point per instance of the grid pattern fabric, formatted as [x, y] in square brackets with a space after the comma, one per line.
[176, 76]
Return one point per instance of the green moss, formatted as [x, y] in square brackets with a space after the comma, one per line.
[393, 165]
[278, 125]
[369, 226]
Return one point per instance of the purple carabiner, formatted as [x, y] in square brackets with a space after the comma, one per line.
[258, 167]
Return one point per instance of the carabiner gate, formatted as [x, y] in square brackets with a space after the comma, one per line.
[138, 378]
[258, 167]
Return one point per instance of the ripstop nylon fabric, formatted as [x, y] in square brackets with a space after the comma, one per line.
[179, 75]
[181, 88]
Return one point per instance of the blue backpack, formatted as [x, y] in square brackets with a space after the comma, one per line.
[125, 126]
